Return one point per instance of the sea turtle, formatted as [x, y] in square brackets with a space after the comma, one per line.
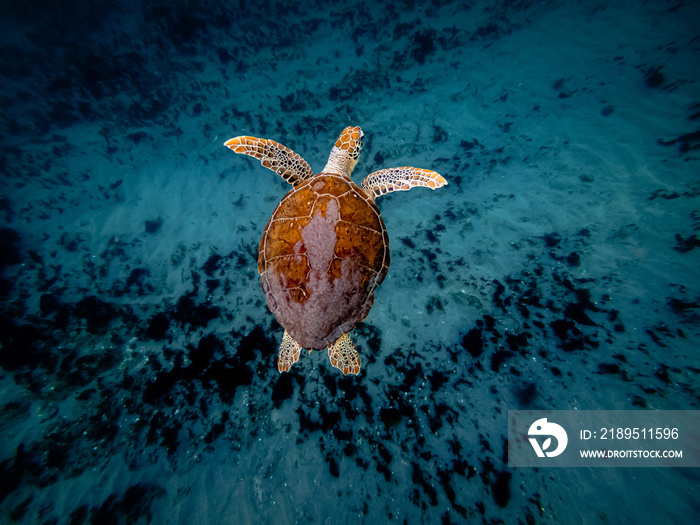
[325, 248]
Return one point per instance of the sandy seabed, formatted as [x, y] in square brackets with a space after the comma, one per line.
[558, 270]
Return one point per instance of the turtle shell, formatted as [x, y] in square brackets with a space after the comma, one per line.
[323, 252]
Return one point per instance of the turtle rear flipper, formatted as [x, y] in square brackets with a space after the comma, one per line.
[401, 179]
[273, 155]
[344, 356]
[289, 353]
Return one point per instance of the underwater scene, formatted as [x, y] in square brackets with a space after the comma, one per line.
[557, 269]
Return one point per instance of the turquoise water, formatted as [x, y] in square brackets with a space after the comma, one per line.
[557, 270]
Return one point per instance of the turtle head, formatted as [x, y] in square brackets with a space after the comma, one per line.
[345, 152]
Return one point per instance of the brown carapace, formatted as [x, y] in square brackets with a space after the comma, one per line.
[325, 248]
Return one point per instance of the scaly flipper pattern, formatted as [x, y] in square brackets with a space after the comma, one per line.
[344, 356]
[273, 155]
[289, 353]
[401, 179]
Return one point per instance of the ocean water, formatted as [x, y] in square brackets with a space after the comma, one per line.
[559, 268]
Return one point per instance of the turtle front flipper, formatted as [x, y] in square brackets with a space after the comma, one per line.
[289, 353]
[273, 155]
[344, 356]
[401, 179]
